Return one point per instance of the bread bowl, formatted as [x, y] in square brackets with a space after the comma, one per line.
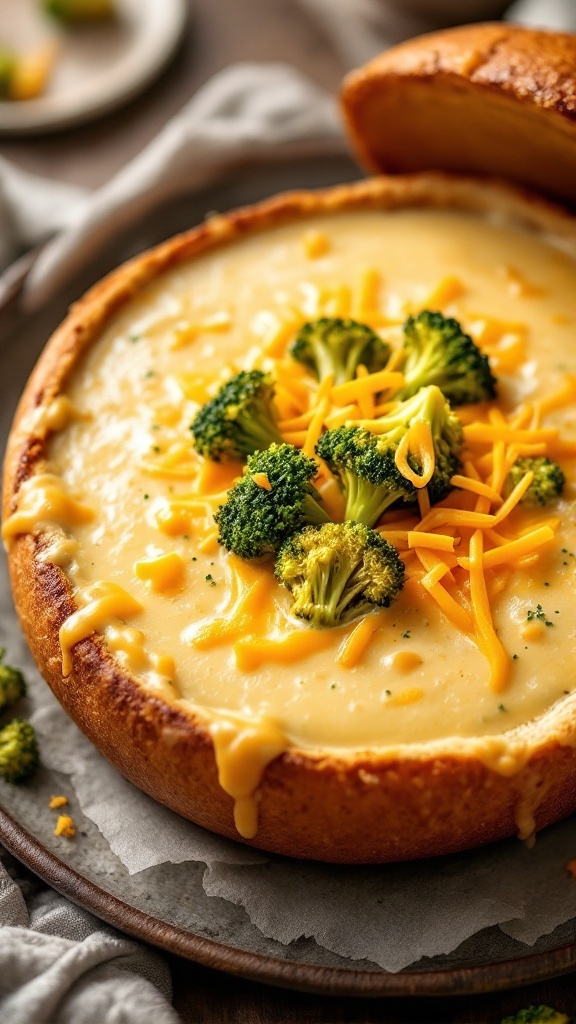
[315, 759]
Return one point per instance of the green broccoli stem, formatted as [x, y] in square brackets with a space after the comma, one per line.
[313, 513]
[335, 589]
[341, 361]
[422, 406]
[330, 586]
[255, 435]
[366, 502]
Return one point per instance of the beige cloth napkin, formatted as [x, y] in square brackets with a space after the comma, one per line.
[359, 29]
[246, 113]
[60, 965]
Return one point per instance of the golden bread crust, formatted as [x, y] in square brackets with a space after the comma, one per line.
[483, 99]
[368, 807]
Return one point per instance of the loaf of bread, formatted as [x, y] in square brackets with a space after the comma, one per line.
[440, 722]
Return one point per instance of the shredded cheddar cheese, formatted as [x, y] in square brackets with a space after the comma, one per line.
[445, 292]
[65, 826]
[57, 801]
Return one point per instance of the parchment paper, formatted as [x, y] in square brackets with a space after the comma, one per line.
[390, 915]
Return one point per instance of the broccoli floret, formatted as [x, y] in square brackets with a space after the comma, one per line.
[438, 351]
[339, 571]
[537, 1015]
[547, 485]
[331, 345]
[18, 751]
[12, 685]
[75, 11]
[240, 419]
[366, 469]
[365, 461]
[256, 519]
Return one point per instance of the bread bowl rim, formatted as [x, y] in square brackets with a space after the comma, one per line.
[159, 728]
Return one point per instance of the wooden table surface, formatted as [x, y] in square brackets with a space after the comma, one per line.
[218, 33]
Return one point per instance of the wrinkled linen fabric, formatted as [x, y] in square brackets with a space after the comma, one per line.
[360, 29]
[245, 113]
[60, 965]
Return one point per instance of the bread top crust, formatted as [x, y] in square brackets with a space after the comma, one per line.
[90, 699]
[488, 99]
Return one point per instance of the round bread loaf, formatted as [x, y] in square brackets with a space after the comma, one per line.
[484, 99]
[412, 800]
[382, 740]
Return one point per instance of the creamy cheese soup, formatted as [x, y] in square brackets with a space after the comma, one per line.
[197, 624]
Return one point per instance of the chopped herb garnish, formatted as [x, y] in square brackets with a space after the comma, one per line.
[501, 707]
[515, 657]
[539, 614]
[146, 496]
[211, 579]
[388, 693]
[406, 635]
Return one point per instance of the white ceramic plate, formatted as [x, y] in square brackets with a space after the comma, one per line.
[98, 66]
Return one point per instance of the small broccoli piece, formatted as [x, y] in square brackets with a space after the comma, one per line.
[437, 351]
[76, 11]
[254, 520]
[240, 419]
[18, 751]
[12, 685]
[331, 345]
[537, 1015]
[365, 462]
[547, 485]
[8, 63]
[339, 571]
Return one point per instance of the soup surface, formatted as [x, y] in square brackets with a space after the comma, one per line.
[199, 625]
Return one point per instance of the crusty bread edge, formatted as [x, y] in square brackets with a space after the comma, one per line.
[357, 808]
[524, 67]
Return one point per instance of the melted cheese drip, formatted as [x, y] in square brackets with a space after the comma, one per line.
[265, 681]
[104, 602]
[243, 749]
[42, 500]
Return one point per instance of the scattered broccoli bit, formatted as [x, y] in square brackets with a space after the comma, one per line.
[537, 1015]
[437, 351]
[365, 462]
[538, 615]
[12, 685]
[254, 520]
[339, 571]
[8, 63]
[240, 420]
[75, 11]
[547, 485]
[331, 345]
[18, 751]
